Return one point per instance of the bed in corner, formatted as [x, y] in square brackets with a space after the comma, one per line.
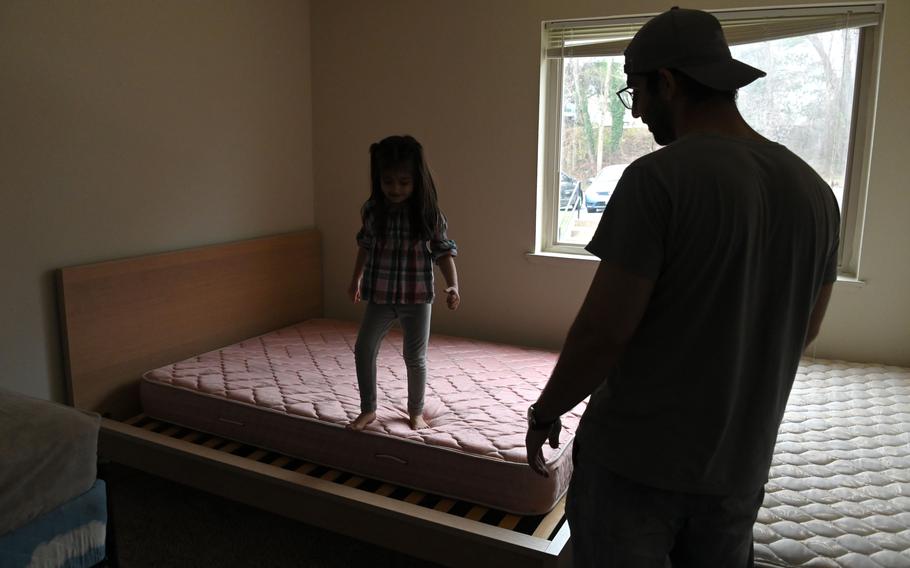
[214, 367]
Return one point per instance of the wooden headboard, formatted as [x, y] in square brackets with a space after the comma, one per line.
[124, 317]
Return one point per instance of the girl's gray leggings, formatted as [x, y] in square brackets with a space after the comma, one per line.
[415, 325]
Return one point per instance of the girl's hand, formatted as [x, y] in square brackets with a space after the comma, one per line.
[354, 291]
[452, 297]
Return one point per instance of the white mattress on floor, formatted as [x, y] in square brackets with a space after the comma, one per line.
[839, 489]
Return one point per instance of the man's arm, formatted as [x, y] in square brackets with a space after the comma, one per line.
[818, 313]
[608, 317]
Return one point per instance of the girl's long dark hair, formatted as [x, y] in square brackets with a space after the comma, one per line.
[397, 152]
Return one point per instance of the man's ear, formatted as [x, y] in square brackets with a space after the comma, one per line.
[667, 87]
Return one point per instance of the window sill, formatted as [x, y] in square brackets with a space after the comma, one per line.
[849, 281]
[845, 280]
[558, 257]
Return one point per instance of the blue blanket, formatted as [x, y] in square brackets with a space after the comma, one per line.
[70, 536]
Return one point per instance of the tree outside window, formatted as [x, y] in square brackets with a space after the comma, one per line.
[805, 102]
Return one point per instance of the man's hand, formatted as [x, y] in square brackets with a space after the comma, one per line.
[534, 440]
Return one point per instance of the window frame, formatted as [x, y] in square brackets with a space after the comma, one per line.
[856, 186]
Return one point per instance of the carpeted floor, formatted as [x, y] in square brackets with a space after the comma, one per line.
[161, 524]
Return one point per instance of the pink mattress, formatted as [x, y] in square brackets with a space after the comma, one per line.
[294, 390]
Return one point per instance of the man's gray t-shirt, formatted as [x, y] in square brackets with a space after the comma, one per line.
[738, 236]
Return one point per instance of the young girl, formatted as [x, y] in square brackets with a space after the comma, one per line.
[403, 233]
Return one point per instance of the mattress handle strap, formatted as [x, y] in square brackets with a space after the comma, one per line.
[391, 458]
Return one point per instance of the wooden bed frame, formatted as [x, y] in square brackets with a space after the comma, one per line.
[122, 318]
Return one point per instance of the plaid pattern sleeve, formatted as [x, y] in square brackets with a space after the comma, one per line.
[365, 234]
[440, 244]
[399, 268]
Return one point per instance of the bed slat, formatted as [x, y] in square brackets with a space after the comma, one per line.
[551, 521]
[542, 529]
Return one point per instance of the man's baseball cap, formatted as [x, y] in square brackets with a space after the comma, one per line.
[693, 42]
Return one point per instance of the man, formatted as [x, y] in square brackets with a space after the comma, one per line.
[718, 254]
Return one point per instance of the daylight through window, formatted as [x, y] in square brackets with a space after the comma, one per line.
[817, 60]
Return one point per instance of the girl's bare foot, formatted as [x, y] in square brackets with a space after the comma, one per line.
[417, 422]
[361, 421]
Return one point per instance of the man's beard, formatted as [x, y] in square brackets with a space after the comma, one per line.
[660, 122]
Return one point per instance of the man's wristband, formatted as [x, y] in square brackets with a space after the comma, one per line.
[534, 422]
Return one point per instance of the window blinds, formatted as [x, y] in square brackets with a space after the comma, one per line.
[597, 38]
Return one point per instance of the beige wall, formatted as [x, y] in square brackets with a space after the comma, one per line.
[463, 77]
[135, 127]
[131, 128]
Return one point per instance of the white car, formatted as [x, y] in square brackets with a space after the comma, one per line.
[598, 193]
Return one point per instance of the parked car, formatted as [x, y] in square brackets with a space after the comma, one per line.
[570, 193]
[598, 193]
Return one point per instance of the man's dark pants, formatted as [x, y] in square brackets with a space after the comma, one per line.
[616, 522]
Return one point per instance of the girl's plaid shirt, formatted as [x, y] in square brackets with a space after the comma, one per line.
[399, 267]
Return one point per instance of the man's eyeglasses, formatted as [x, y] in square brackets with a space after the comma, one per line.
[626, 97]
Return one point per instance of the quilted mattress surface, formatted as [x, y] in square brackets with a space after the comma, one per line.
[294, 390]
[839, 489]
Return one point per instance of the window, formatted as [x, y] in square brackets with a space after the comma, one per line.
[817, 99]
